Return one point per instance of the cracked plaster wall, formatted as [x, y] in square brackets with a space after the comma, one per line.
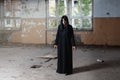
[31, 26]
[32, 15]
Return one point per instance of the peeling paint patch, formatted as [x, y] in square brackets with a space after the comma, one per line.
[33, 23]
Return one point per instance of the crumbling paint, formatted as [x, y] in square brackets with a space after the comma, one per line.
[32, 22]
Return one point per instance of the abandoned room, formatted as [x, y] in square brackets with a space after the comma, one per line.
[28, 31]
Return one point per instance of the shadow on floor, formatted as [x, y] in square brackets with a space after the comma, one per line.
[96, 66]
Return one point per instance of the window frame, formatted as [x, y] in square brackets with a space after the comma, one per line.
[69, 14]
[8, 22]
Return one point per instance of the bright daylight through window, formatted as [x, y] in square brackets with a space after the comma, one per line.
[78, 11]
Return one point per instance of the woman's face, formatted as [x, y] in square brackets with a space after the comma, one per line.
[64, 22]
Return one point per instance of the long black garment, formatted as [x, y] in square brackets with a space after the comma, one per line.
[65, 41]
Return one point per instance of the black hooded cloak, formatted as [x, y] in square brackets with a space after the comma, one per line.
[65, 40]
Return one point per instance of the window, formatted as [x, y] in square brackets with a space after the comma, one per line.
[79, 13]
[8, 16]
[56, 8]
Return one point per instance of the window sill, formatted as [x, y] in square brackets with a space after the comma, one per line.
[4, 30]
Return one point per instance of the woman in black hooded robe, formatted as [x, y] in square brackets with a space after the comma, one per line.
[64, 43]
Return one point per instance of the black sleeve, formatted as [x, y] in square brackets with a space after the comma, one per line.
[57, 36]
[72, 37]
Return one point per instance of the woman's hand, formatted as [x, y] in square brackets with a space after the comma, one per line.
[73, 47]
[55, 46]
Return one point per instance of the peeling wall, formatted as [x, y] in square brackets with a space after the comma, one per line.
[31, 27]
[32, 15]
[32, 31]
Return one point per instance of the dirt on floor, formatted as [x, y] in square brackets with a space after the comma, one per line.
[24, 62]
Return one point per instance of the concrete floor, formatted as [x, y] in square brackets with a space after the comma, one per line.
[18, 62]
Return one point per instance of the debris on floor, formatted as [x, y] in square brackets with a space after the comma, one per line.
[100, 60]
[50, 55]
[35, 66]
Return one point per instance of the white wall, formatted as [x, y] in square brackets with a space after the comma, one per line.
[106, 8]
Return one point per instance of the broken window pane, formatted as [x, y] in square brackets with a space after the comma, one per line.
[76, 8]
[62, 7]
[52, 23]
[86, 22]
[52, 8]
[87, 8]
[77, 23]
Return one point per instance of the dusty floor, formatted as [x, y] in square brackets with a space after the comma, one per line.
[23, 63]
